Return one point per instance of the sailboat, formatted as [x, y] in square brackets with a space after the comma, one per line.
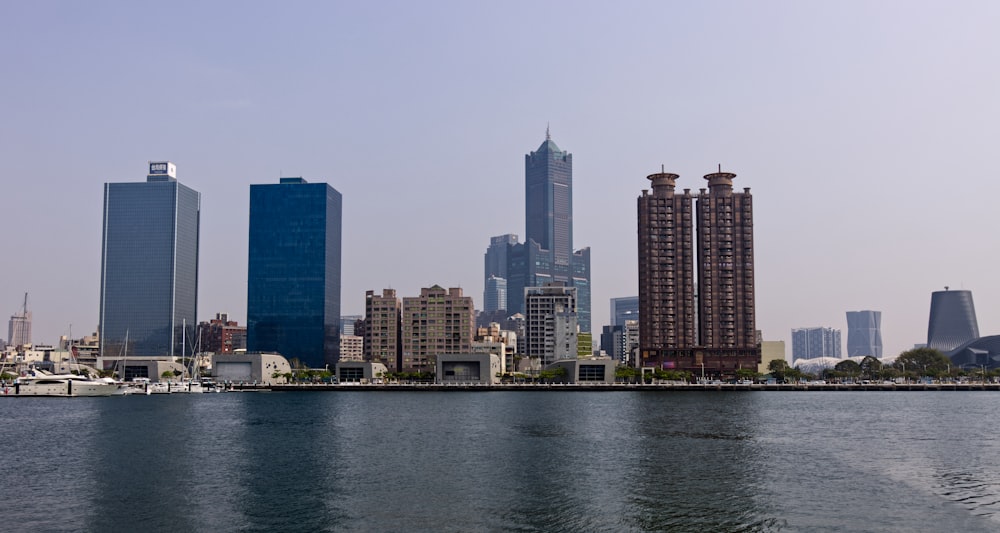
[189, 385]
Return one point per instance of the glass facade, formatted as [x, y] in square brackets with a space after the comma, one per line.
[864, 333]
[293, 279]
[149, 267]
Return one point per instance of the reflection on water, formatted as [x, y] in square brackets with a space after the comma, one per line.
[503, 461]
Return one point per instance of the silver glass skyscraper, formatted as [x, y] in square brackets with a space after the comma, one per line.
[149, 265]
[864, 333]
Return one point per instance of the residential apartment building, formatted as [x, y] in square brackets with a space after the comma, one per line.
[696, 292]
[382, 342]
[439, 321]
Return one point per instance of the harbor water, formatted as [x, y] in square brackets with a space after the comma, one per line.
[503, 461]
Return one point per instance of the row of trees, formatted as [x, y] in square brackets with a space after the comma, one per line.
[910, 364]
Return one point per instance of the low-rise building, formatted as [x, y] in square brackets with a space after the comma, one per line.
[360, 371]
[263, 368]
[483, 368]
[585, 370]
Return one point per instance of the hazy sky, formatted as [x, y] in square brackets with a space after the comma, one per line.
[866, 131]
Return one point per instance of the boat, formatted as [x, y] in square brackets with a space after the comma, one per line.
[40, 383]
[160, 387]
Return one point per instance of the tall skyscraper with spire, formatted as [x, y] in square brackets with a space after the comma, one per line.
[547, 255]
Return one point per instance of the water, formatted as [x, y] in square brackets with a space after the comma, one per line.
[503, 461]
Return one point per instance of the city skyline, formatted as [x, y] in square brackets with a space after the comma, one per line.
[851, 121]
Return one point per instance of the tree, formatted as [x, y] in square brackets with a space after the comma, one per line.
[778, 368]
[871, 368]
[923, 361]
[847, 368]
[747, 373]
[167, 374]
[626, 373]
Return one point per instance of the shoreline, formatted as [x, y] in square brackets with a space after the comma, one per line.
[801, 387]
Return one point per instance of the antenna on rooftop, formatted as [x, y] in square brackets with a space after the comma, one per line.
[547, 136]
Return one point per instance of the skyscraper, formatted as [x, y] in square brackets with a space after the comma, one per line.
[667, 331]
[548, 200]
[495, 295]
[717, 333]
[808, 343]
[624, 308]
[547, 256]
[952, 320]
[149, 265]
[726, 316]
[864, 333]
[293, 277]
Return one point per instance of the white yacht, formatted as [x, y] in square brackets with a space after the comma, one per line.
[39, 383]
[160, 387]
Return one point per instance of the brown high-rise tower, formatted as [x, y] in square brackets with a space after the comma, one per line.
[666, 272]
[725, 337]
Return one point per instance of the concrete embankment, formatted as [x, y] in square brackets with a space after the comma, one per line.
[806, 387]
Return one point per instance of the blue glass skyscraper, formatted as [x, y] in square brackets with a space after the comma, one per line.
[149, 265]
[293, 278]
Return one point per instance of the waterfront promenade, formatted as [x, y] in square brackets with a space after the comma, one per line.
[802, 387]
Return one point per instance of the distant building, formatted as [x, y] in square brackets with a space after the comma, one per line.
[293, 278]
[437, 322]
[619, 341]
[551, 323]
[348, 324]
[352, 348]
[770, 351]
[625, 308]
[495, 295]
[952, 320]
[810, 343]
[19, 327]
[864, 333]
[383, 343]
[149, 265]
[547, 255]
[493, 339]
[221, 335]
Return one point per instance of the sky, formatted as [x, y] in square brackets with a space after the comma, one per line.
[865, 131]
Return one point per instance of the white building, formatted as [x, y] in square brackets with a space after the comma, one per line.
[352, 348]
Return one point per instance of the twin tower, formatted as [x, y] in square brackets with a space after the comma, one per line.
[696, 277]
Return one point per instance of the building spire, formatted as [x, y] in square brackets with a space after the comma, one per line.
[547, 136]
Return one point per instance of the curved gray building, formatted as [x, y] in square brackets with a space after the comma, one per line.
[864, 333]
[984, 351]
[953, 320]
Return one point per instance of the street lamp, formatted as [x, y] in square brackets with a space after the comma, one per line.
[702, 373]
